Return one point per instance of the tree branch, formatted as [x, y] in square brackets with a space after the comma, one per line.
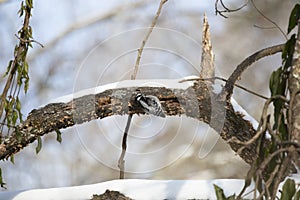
[121, 161]
[294, 88]
[140, 50]
[19, 60]
[195, 102]
[236, 75]
[207, 56]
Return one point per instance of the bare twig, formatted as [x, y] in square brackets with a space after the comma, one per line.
[269, 182]
[140, 50]
[28, 41]
[228, 89]
[277, 174]
[263, 125]
[271, 170]
[223, 79]
[248, 180]
[226, 9]
[273, 134]
[262, 27]
[133, 76]
[5, 124]
[121, 161]
[268, 19]
[264, 164]
[280, 175]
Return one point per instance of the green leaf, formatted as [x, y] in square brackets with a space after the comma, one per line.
[297, 195]
[23, 53]
[26, 66]
[8, 119]
[12, 159]
[26, 86]
[19, 75]
[232, 197]
[21, 11]
[19, 107]
[29, 32]
[18, 104]
[29, 3]
[294, 17]
[288, 190]
[30, 44]
[16, 50]
[14, 117]
[283, 129]
[25, 76]
[8, 67]
[58, 136]
[288, 50]
[7, 106]
[276, 84]
[220, 194]
[18, 134]
[39, 145]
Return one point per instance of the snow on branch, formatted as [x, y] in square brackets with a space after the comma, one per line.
[192, 99]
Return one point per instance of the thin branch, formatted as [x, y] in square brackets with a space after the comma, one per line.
[140, 50]
[223, 79]
[133, 77]
[261, 27]
[262, 127]
[264, 164]
[121, 161]
[228, 89]
[5, 124]
[248, 180]
[268, 19]
[21, 49]
[233, 10]
[283, 168]
[217, 11]
[252, 140]
[269, 182]
[226, 9]
[29, 41]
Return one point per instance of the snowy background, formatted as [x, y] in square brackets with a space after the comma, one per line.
[91, 43]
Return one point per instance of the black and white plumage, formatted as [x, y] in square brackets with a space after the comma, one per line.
[150, 104]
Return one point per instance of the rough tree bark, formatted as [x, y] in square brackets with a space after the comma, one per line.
[195, 102]
[294, 88]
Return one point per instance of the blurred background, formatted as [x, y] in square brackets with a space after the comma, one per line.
[91, 43]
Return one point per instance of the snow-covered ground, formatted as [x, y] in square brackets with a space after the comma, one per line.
[135, 189]
[141, 189]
